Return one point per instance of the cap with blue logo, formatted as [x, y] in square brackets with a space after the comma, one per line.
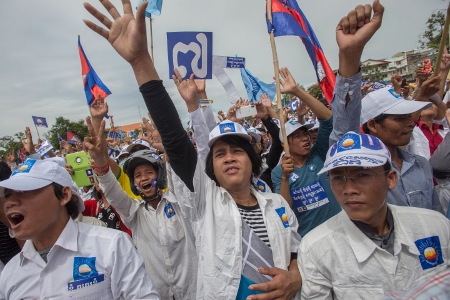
[356, 150]
[35, 174]
[136, 143]
[387, 101]
[254, 133]
[293, 125]
[227, 128]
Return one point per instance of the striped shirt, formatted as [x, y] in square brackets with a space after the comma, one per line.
[253, 216]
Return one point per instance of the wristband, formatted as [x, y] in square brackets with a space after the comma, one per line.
[101, 170]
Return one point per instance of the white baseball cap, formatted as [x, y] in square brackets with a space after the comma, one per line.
[136, 143]
[35, 174]
[225, 128]
[356, 150]
[387, 101]
[253, 132]
[293, 125]
[316, 124]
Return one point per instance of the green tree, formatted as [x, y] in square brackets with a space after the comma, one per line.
[11, 144]
[431, 38]
[61, 126]
[315, 91]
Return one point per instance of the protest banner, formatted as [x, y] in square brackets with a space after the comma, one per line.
[219, 64]
[44, 148]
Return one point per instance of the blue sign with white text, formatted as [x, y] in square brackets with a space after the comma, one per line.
[190, 52]
[235, 62]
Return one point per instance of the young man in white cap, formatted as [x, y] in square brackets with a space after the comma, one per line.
[371, 247]
[386, 115]
[62, 258]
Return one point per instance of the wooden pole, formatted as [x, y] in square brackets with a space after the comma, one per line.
[442, 45]
[277, 79]
[37, 131]
[151, 40]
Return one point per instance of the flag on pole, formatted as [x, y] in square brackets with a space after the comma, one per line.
[22, 155]
[288, 19]
[255, 87]
[153, 7]
[93, 86]
[39, 121]
[72, 138]
[60, 138]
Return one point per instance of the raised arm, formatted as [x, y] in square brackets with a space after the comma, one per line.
[127, 35]
[352, 34]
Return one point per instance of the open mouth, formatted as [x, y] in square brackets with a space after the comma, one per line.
[146, 187]
[15, 219]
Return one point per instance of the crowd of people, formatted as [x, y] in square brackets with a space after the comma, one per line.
[352, 203]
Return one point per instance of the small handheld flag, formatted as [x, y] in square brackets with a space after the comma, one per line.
[288, 19]
[255, 87]
[39, 121]
[72, 138]
[93, 86]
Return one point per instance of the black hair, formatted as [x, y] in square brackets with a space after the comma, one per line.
[236, 141]
[5, 171]
[378, 119]
[71, 206]
[387, 166]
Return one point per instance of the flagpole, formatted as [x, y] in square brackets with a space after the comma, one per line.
[151, 38]
[39, 137]
[277, 79]
[442, 45]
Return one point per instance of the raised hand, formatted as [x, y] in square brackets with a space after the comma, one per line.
[99, 108]
[430, 87]
[261, 111]
[265, 100]
[396, 81]
[28, 143]
[352, 34]
[231, 115]
[287, 81]
[357, 28]
[187, 90]
[126, 34]
[96, 143]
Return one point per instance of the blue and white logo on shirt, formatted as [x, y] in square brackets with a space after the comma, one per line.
[281, 211]
[430, 252]
[84, 267]
[168, 209]
[261, 186]
[227, 128]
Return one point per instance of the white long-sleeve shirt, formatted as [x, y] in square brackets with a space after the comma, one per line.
[338, 261]
[163, 238]
[216, 222]
[86, 262]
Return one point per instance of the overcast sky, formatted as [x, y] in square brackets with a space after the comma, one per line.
[40, 72]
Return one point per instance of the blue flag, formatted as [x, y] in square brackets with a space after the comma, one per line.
[39, 121]
[255, 87]
[153, 7]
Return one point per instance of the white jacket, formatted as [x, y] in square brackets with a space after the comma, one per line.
[216, 222]
[338, 261]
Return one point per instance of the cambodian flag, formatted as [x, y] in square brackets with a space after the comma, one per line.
[72, 138]
[93, 86]
[288, 19]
